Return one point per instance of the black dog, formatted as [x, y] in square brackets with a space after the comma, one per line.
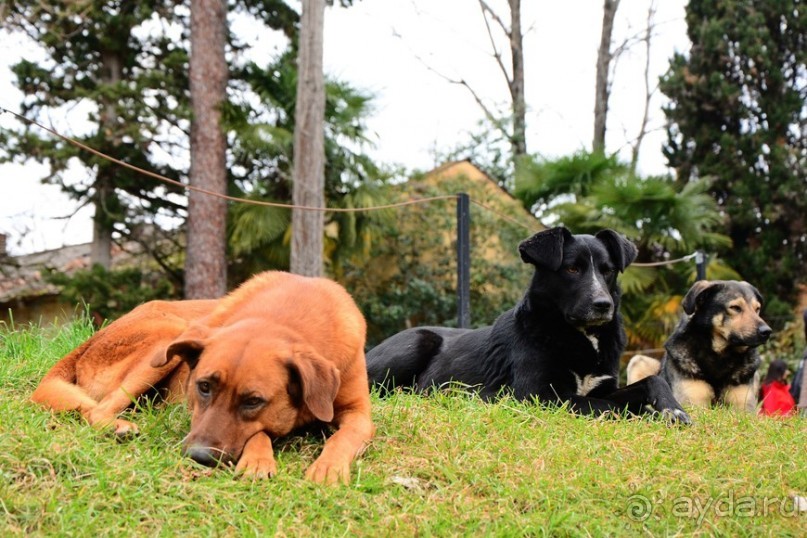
[561, 343]
[711, 357]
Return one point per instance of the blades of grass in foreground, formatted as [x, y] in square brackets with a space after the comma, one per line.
[448, 464]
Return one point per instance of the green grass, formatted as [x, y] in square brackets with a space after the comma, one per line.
[443, 465]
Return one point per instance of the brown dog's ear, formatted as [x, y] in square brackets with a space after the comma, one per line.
[545, 249]
[188, 346]
[188, 350]
[699, 293]
[622, 251]
[315, 382]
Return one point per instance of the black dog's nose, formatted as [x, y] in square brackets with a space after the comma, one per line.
[602, 304]
[764, 332]
[209, 456]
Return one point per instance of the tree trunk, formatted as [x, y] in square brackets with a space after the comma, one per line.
[517, 83]
[205, 261]
[101, 249]
[603, 85]
[309, 148]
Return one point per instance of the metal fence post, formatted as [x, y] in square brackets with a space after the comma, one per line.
[463, 260]
[700, 265]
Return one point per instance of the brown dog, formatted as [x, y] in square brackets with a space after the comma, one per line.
[280, 352]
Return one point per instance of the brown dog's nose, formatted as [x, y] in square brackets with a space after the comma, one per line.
[764, 332]
[208, 456]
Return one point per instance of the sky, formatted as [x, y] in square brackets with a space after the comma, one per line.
[403, 52]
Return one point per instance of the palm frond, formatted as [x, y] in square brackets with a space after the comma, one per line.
[638, 279]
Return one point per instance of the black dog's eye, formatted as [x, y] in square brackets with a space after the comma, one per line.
[203, 387]
[572, 269]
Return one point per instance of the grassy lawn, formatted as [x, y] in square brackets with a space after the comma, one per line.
[444, 465]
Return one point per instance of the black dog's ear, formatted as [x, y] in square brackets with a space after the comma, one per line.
[700, 292]
[545, 249]
[622, 251]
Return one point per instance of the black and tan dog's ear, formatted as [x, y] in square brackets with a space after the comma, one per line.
[756, 292]
[188, 347]
[622, 251]
[545, 249]
[315, 382]
[700, 292]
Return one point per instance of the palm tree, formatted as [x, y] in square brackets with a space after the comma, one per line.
[260, 236]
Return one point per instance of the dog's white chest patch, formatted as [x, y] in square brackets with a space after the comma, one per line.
[588, 383]
[595, 342]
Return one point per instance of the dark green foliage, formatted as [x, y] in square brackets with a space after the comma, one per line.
[264, 132]
[738, 117]
[109, 294]
[142, 117]
[588, 191]
[410, 278]
[263, 156]
[418, 295]
[489, 147]
[541, 181]
[135, 84]
[276, 14]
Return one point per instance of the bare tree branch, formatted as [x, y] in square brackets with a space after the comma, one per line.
[486, 8]
[462, 82]
[497, 55]
[513, 78]
[651, 13]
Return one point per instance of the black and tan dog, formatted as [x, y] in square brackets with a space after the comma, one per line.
[560, 344]
[711, 357]
[280, 352]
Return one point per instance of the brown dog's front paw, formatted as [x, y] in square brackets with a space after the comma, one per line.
[124, 429]
[121, 428]
[328, 472]
[256, 467]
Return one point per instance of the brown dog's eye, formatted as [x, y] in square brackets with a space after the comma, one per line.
[203, 387]
[253, 402]
[737, 309]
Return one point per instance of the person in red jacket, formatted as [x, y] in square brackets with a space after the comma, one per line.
[775, 392]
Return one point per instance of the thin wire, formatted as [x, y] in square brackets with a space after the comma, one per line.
[647, 264]
[502, 216]
[666, 262]
[225, 196]
[291, 206]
